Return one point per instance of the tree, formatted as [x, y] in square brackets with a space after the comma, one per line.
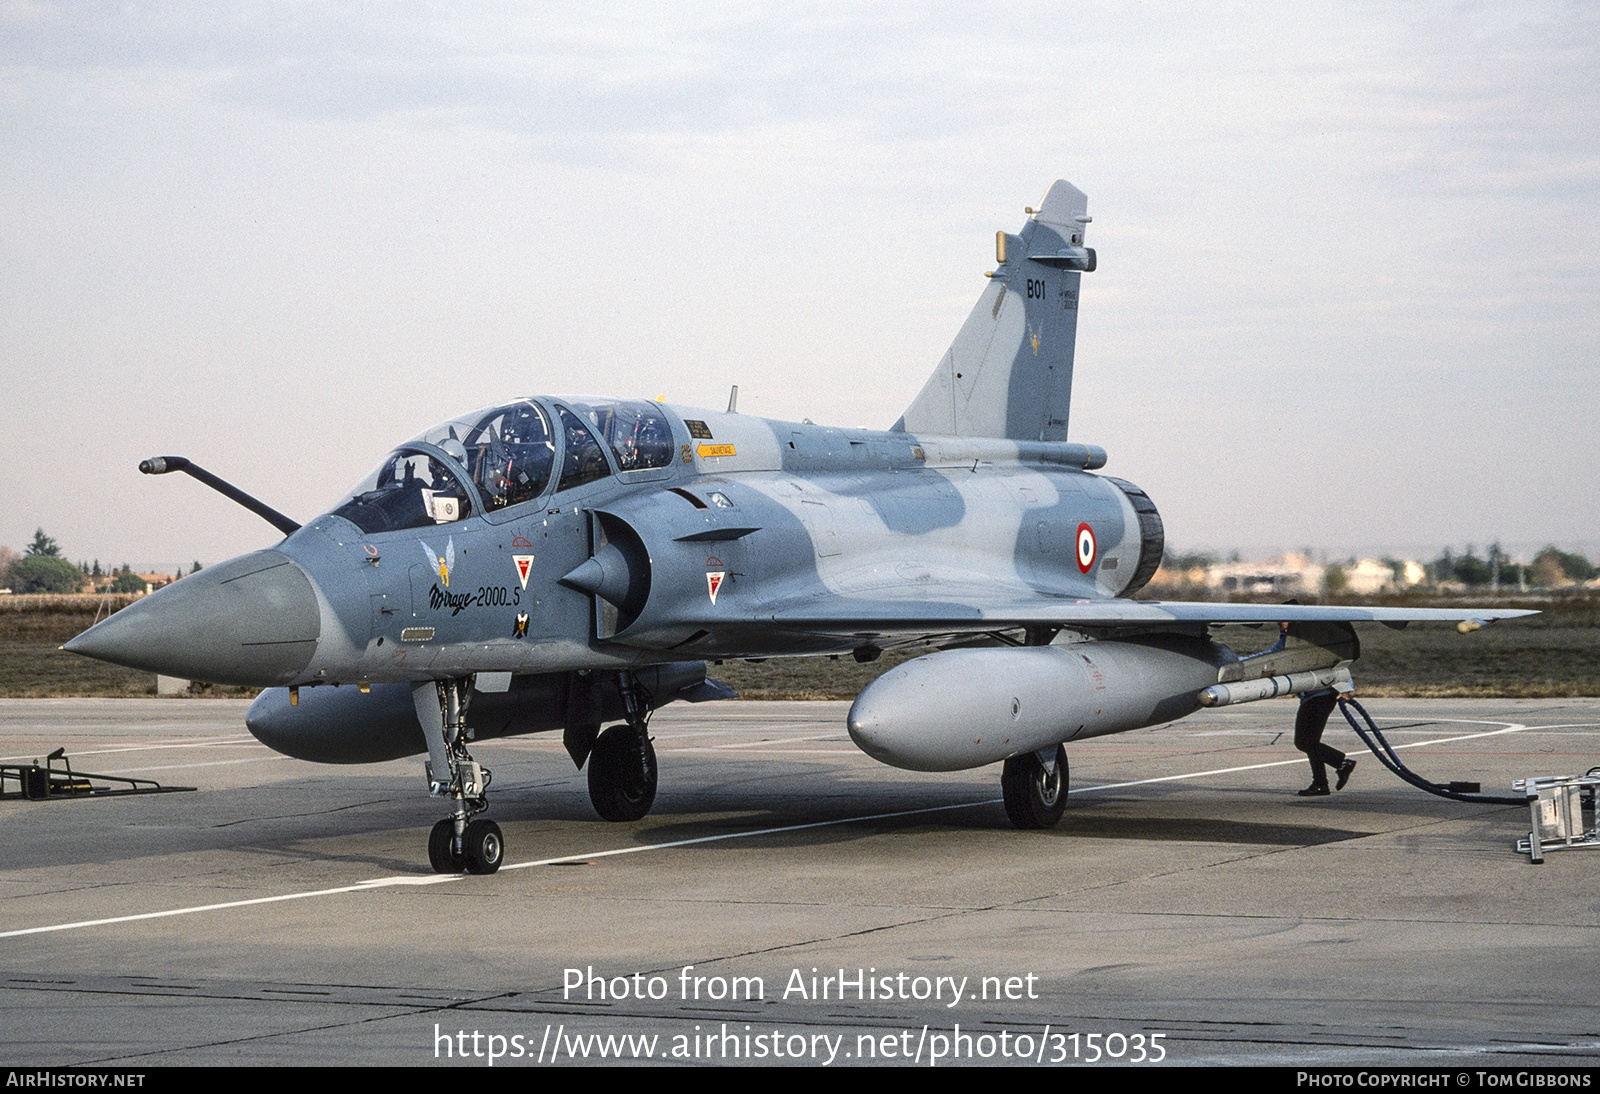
[1553, 566]
[1335, 580]
[196, 567]
[1472, 570]
[1188, 560]
[1547, 572]
[1443, 568]
[129, 582]
[40, 573]
[43, 545]
[1468, 569]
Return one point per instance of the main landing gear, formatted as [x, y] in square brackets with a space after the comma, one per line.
[458, 842]
[1034, 786]
[622, 766]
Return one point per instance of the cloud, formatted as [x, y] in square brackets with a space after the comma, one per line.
[1359, 228]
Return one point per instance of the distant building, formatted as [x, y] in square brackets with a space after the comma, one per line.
[1370, 575]
[1295, 574]
[1291, 575]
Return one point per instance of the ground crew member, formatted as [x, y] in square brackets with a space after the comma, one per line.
[1309, 722]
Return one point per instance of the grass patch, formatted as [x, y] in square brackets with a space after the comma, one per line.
[1552, 655]
[33, 666]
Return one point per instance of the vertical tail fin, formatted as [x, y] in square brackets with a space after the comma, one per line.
[1009, 372]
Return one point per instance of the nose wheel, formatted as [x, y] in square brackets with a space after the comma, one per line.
[458, 842]
[480, 850]
[443, 855]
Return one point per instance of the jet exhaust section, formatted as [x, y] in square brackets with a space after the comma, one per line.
[960, 709]
[1152, 536]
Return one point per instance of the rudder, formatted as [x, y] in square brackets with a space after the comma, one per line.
[1009, 371]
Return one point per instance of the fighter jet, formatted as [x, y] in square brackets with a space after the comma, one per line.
[565, 563]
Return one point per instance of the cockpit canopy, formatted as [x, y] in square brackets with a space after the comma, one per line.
[507, 451]
[638, 433]
[503, 456]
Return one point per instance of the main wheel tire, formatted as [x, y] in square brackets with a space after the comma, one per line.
[485, 847]
[1034, 797]
[621, 787]
[441, 848]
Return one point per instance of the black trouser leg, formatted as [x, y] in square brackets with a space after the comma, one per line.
[1309, 722]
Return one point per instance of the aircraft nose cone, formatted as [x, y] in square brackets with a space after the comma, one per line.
[253, 620]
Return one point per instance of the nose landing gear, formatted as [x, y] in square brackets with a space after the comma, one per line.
[458, 842]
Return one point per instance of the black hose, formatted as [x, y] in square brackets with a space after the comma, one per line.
[1385, 752]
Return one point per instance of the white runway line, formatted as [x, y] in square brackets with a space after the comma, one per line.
[152, 746]
[1509, 727]
[842, 750]
[438, 879]
[442, 879]
[208, 763]
[374, 883]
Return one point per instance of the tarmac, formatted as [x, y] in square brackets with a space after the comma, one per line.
[789, 900]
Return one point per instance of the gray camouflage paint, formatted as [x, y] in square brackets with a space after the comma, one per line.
[962, 520]
[1009, 371]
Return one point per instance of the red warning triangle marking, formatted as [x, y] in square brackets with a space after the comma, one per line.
[524, 564]
[714, 582]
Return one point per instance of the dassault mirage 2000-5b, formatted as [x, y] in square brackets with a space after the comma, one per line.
[564, 563]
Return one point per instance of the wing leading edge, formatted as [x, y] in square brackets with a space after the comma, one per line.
[891, 616]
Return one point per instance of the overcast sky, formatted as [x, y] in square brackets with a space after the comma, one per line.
[1349, 256]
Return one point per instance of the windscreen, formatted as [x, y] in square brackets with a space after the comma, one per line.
[409, 489]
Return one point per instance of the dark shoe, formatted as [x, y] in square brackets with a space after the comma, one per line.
[1315, 790]
[1345, 768]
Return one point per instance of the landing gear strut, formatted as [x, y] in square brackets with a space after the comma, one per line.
[458, 842]
[622, 767]
[1034, 786]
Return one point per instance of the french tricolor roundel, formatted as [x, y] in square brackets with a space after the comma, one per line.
[1086, 547]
